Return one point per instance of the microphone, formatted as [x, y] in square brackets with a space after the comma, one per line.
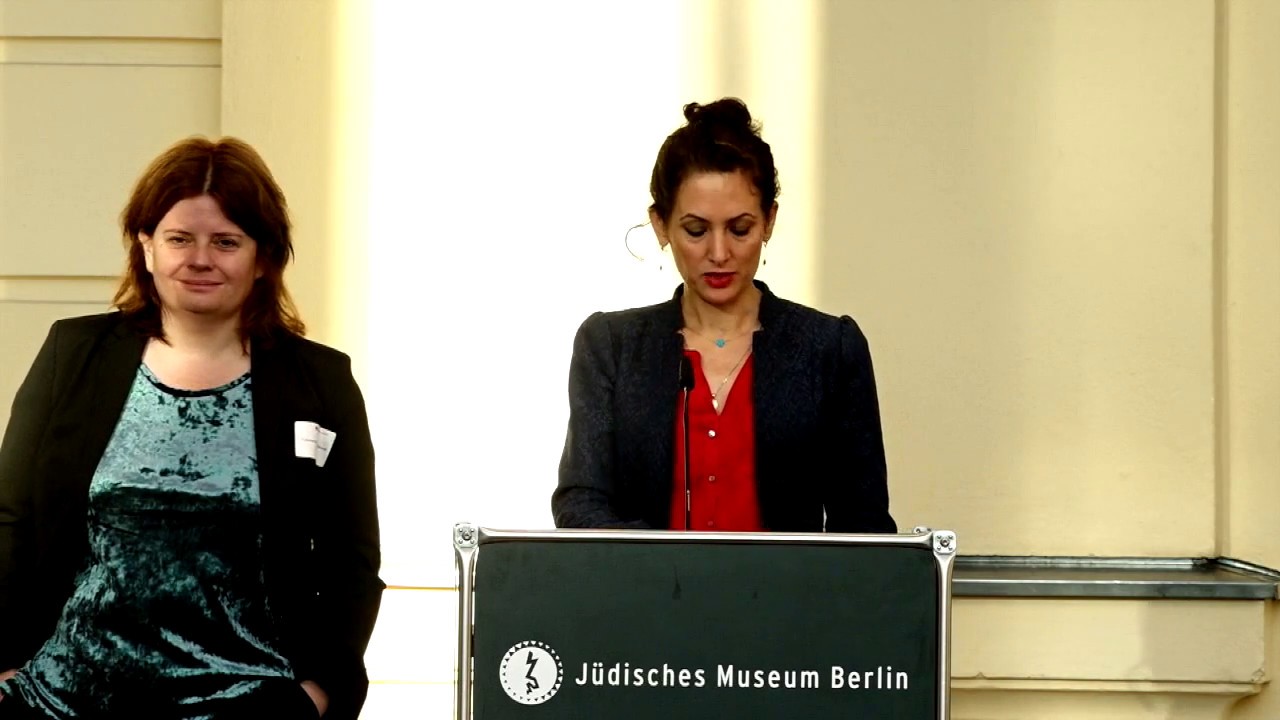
[686, 385]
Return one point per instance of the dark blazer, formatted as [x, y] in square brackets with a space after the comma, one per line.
[320, 544]
[817, 422]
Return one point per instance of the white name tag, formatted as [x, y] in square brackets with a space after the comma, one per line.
[312, 441]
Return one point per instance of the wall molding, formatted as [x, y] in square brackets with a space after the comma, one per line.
[57, 290]
[110, 51]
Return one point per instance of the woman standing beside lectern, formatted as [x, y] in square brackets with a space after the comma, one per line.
[777, 400]
[188, 512]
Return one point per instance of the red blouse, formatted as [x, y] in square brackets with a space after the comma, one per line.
[722, 468]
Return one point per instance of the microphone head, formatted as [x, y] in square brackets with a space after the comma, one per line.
[686, 374]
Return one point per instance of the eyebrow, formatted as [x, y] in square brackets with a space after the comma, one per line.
[691, 216]
[177, 231]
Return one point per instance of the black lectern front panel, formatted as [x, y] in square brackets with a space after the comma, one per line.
[641, 630]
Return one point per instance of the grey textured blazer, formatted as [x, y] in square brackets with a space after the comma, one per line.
[819, 449]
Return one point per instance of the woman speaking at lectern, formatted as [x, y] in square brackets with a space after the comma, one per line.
[783, 422]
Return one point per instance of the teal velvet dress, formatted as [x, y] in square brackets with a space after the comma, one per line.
[169, 618]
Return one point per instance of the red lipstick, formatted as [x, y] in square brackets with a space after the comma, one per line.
[718, 280]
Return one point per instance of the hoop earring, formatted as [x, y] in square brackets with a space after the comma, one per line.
[626, 240]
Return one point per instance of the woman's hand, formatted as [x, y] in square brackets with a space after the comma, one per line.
[318, 696]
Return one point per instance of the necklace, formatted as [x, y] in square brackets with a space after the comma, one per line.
[715, 396]
[720, 342]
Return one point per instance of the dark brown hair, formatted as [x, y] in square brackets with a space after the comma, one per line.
[231, 172]
[720, 137]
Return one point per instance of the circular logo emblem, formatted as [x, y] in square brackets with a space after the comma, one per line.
[531, 672]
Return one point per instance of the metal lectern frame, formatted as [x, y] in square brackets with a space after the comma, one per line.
[468, 538]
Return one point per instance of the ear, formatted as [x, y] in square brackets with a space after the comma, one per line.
[259, 258]
[659, 228]
[148, 251]
[768, 224]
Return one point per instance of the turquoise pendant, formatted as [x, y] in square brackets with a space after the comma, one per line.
[720, 342]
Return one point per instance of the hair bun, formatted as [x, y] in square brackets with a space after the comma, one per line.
[729, 112]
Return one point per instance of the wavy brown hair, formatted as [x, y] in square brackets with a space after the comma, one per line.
[231, 172]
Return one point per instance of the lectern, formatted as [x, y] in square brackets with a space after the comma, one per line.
[658, 625]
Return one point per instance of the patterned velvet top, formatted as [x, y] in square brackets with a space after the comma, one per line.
[173, 594]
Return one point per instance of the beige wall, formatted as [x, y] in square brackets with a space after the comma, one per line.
[1055, 221]
[1249, 279]
[1249, 303]
[1020, 207]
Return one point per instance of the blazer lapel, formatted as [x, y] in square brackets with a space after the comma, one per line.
[111, 379]
[281, 397]
[770, 350]
[656, 364]
[271, 427]
[268, 420]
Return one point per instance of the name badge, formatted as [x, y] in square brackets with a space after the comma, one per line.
[312, 441]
